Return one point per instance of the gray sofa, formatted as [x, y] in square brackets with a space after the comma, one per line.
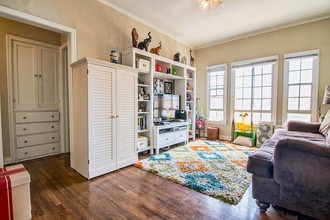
[292, 169]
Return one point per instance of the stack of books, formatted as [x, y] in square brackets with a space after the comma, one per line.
[142, 122]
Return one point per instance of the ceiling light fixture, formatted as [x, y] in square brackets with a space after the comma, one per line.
[209, 4]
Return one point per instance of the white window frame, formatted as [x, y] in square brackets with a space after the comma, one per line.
[314, 107]
[274, 82]
[219, 66]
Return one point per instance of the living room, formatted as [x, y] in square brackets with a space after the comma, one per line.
[93, 29]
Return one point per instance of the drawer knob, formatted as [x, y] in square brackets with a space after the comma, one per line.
[53, 148]
[52, 116]
[25, 141]
[24, 117]
[52, 126]
[25, 153]
[53, 138]
[24, 129]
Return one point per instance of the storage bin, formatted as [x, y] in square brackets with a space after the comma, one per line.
[212, 133]
[142, 142]
[143, 64]
[15, 200]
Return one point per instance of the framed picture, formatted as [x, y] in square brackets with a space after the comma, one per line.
[146, 97]
[168, 88]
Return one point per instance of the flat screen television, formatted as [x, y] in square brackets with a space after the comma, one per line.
[165, 106]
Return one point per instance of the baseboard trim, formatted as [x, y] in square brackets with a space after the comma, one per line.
[225, 138]
[6, 160]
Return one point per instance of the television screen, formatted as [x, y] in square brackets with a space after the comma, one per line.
[165, 106]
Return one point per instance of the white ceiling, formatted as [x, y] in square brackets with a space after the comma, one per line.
[183, 21]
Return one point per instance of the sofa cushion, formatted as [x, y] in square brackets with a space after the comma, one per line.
[325, 125]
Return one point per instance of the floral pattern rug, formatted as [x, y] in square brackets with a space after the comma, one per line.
[214, 168]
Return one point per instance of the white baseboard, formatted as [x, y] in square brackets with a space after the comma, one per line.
[6, 160]
[225, 138]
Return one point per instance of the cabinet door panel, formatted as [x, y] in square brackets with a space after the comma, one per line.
[48, 77]
[24, 75]
[101, 121]
[127, 118]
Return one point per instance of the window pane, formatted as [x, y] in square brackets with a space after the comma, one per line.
[257, 104]
[267, 80]
[216, 102]
[216, 116]
[257, 70]
[267, 68]
[238, 104]
[257, 80]
[266, 92]
[293, 91]
[256, 118]
[247, 81]
[246, 104]
[293, 103]
[239, 72]
[294, 65]
[307, 63]
[213, 82]
[247, 71]
[306, 76]
[239, 93]
[306, 91]
[294, 77]
[266, 117]
[266, 104]
[299, 117]
[247, 93]
[239, 82]
[213, 92]
[257, 93]
[305, 104]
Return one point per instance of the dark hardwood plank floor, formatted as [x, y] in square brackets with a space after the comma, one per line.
[58, 192]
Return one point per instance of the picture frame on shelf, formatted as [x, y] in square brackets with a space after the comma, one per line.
[158, 85]
[146, 97]
[168, 88]
[142, 107]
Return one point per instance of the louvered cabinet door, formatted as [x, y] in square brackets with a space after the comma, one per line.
[102, 152]
[126, 107]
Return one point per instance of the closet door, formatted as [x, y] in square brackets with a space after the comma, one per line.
[101, 120]
[126, 118]
[48, 77]
[25, 74]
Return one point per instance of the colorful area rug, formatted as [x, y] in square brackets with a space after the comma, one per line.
[213, 168]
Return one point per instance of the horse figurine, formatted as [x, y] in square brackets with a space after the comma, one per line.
[145, 43]
[156, 50]
[135, 37]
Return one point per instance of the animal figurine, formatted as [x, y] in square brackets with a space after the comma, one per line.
[176, 57]
[145, 43]
[135, 37]
[184, 60]
[192, 60]
[156, 50]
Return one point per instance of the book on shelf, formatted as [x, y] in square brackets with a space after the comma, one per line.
[142, 122]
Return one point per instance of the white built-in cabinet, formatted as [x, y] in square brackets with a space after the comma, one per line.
[183, 83]
[104, 106]
[33, 85]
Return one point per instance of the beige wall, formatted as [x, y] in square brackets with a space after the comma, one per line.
[304, 37]
[100, 29]
[20, 30]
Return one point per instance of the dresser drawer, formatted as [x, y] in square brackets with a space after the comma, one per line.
[166, 139]
[33, 128]
[180, 136]
[24, 117]
[37, 151]
[37, 139]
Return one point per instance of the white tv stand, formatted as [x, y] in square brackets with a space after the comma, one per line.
[167, 135]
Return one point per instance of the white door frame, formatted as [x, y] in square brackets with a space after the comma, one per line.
[52, 26]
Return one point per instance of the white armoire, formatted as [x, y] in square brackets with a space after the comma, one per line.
[104, 118]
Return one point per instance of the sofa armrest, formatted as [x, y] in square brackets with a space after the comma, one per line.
[303, 126]
[302, 164]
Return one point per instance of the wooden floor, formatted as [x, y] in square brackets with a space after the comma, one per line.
[58, 192]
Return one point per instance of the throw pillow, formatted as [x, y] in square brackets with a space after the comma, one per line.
[245, 141]
[325, 125]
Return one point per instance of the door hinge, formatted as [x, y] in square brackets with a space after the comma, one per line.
[88, 161]
[87, 71]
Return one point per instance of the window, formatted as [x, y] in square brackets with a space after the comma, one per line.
[300, 86]
[254, 89]
[217, 93]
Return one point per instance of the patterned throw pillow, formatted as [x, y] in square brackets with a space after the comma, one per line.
[245, 141]
[325, 125]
